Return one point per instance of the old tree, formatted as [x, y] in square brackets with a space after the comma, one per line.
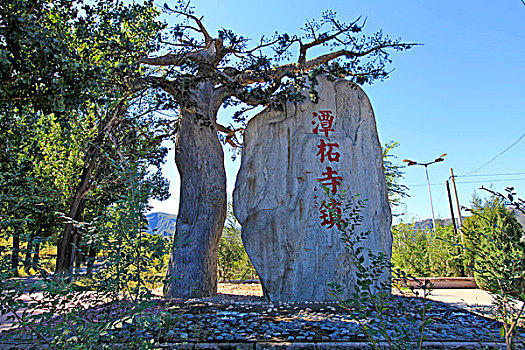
[202, 73]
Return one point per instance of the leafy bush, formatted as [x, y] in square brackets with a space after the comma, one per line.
[499, 256]
[371, 300]
[499, 261]
[425, 253]
[234, 263]
[393, 176]
[110, 305]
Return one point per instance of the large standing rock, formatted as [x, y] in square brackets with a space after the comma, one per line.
[286, 230]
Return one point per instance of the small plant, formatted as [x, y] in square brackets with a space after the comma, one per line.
[499, 263]
[234, 263]
[426, 253]
[371, 299]
[111, 305]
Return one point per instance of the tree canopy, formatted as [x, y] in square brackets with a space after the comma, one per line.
[66, 111]
[255, 73]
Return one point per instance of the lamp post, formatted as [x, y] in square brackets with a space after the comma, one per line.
[437, 160]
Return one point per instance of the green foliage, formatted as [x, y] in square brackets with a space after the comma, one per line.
[69, 120]
[425, 253]
[499, 256]
[56, 55]
[65, 101]
[132, 259]
[234, 263]
[126, 269]
[393, 175]
[27, 199]
[499, 262]
[371, 298]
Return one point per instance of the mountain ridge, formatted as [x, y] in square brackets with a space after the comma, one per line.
[160, 223]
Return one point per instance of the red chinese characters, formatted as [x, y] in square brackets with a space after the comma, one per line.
[326, 151]
[330, 179]
[330, 212]
[324, 122]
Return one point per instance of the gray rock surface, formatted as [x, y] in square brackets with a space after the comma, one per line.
[287, 232]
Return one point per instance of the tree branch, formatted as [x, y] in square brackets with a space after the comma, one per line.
[175, 60]
[230, 134]
[262, 45]
[323, 39]
[290, 69]
[207, 38]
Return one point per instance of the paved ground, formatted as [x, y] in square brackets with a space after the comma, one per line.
[475, 300]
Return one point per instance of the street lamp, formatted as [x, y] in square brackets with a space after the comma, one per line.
[437, 160]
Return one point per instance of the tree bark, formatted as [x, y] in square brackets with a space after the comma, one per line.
[36, 254]
[28, 252]
[192, 270]
[79, 253]
[65, 247]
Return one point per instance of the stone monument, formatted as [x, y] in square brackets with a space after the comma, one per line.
[288, 228]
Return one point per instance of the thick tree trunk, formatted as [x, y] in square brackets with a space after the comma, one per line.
[65, 247]
[192, 270]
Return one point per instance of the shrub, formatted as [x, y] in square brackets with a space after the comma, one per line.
[234, 263]
[110, 306]
[425, 253]
[499, 261]
[499, 257]
[371, 300]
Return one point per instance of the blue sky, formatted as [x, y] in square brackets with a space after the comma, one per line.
[461, 92]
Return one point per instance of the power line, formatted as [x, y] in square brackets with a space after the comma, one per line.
[498, 180]
[499, 154]
[433, 184]
[468, 182]
[508, 174]
[441, 197]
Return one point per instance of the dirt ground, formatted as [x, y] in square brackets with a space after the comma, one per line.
[231, 289]
[252, 289]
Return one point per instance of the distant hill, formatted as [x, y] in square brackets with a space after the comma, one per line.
[161, 224]
[427, 224]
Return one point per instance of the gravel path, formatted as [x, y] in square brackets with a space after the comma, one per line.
[239, 314]
[249, 318]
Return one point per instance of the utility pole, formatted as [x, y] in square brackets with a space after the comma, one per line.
[460, 221]
[452, 213]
